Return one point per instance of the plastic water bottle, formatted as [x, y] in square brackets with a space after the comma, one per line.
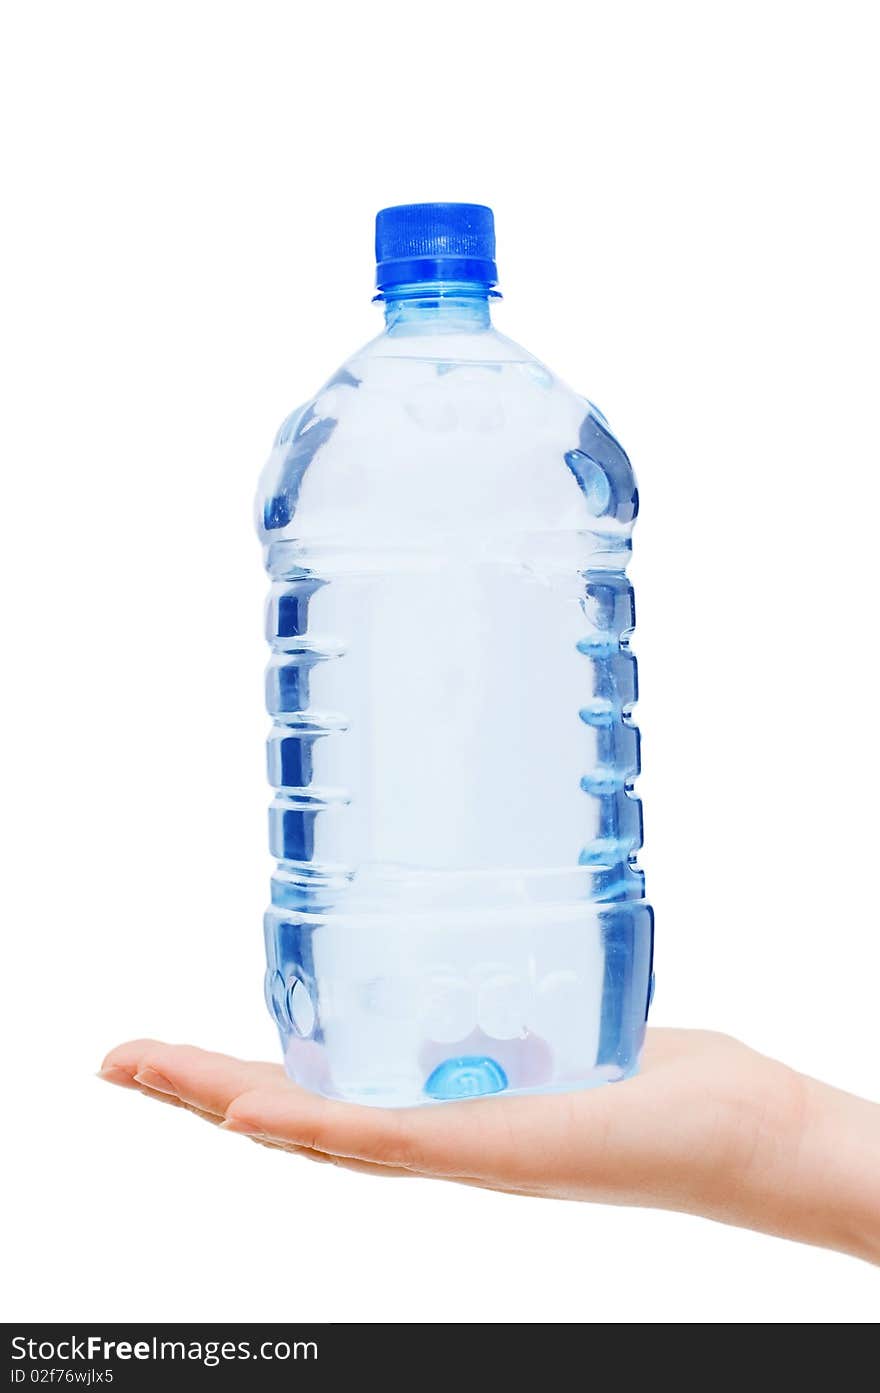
[456, 906]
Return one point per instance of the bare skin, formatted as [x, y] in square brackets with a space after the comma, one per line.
[708, 1127]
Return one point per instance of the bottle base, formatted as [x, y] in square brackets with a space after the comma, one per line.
[466, 1081]
[398, 1013]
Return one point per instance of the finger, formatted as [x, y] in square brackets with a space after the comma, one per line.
[343, 1162]
[347, 1131]
[206, 1084]
[121, 1077]
[478, 1141]
[172, 1102]
[198, 1078]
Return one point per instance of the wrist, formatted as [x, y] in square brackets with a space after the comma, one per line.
[815, 1176]
[798, 1159]
[836, 1171]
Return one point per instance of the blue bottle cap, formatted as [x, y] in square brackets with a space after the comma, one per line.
[451, 242]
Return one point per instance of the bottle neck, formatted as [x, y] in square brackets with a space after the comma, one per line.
[437, 307]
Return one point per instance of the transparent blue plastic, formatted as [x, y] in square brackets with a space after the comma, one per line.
[456, 906]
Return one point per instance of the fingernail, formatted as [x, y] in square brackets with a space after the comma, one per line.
[149, 1078]
[235, 1124]
[114, 1073]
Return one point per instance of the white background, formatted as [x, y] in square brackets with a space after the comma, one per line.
[687, 232]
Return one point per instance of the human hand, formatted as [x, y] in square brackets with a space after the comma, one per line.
[708, 1127]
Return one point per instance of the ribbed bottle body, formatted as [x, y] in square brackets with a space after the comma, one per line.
[457, 907]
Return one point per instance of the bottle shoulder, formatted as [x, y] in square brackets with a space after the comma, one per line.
[441, 430]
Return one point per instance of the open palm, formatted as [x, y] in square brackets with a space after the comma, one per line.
[709, 1126]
